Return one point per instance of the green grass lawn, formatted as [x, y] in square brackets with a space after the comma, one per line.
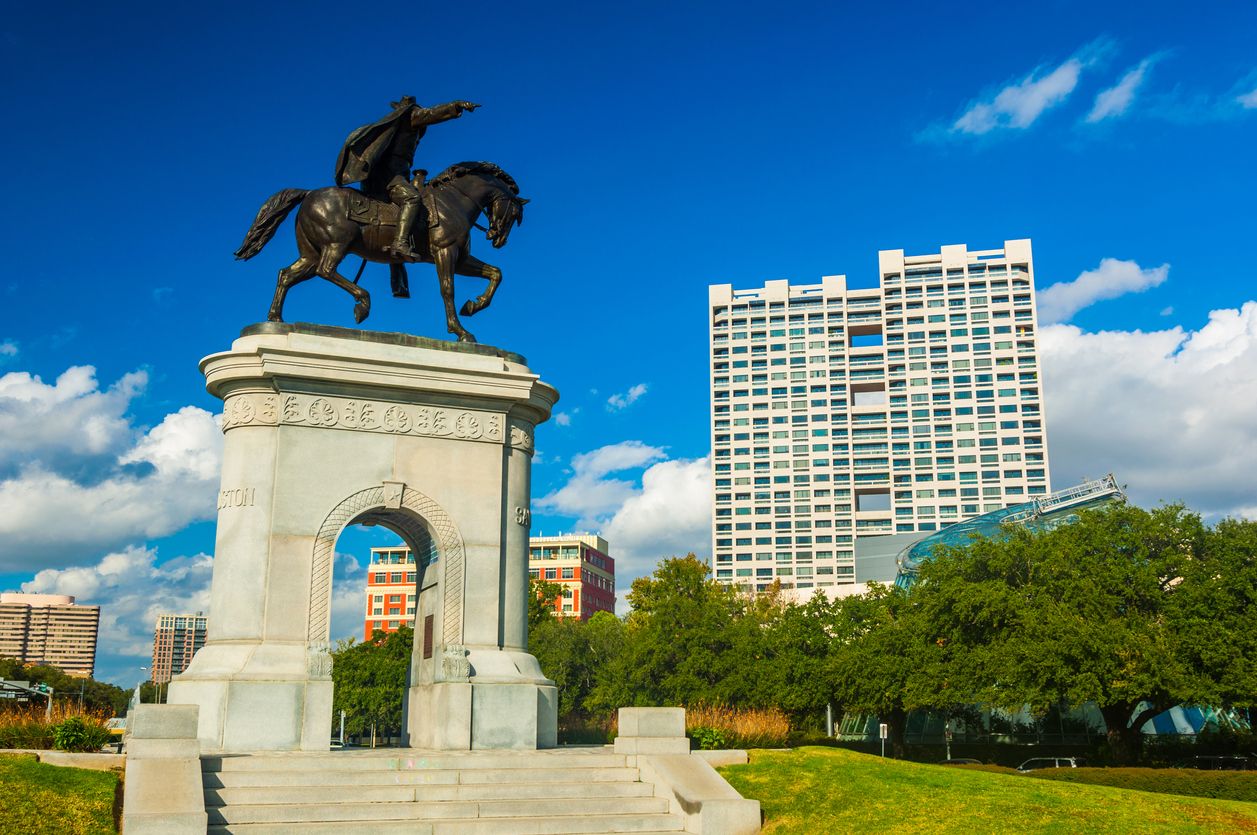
[829, 790]
[38, 798]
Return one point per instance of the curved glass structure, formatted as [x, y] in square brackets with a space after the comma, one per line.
[1059, 508]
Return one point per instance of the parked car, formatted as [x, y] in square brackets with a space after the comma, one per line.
[961, 761]
[1036, 763]
[1218, 762]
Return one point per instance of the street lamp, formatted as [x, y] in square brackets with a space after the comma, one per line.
[135, 700]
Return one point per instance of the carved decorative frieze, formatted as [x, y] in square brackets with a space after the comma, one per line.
[319, 661]
[454, 663]
[365, 416]
[521, 437]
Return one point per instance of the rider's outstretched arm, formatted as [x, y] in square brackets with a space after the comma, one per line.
[440, 113]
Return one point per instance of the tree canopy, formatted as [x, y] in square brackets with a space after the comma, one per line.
[1131, 610]
[369, 681]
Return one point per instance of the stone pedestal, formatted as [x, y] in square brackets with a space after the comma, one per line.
[328, 427]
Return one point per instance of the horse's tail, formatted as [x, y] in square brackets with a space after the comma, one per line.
[270, 216]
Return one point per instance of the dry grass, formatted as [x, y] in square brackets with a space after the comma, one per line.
[741, 727]
[729, 727]
[28, 727]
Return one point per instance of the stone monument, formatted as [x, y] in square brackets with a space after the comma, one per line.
[327, 427]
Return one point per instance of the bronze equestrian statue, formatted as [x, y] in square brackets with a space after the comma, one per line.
[376, 222]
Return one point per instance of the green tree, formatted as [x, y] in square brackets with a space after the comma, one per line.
[95, 695]
[795, 671]
[1216, 606]
[1086, 612]
[541, 599]
[882, 659]
[687, 640]
[369, 681]
[573, 653]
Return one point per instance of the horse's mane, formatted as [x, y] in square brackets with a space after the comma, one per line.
[462, 169]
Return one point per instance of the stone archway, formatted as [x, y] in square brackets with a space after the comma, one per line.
[378, 504]
[328, 427]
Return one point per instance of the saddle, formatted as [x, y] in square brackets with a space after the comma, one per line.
[380, 218]
[372, 212]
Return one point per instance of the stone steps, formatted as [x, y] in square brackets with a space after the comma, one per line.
[383, 760]
[438, 793]
[349, 810]
[610, 825]
[288, 794]
[415, 777]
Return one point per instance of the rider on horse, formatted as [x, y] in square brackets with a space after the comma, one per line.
[379, 155]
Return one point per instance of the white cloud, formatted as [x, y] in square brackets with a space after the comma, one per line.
[186, 444]
[562, 419]
[1117, 99]
[131, 590]
[1168, 310]
[616, 402]
[1169, 412]
[670, 516]
[590, 494]
[1111, 279]
[66, 422]
[349, 588]
[8, 348]
[77, 478]
[1248, 100]
[1019, 104]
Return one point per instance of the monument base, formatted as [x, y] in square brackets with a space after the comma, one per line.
[461, 716]
[257, 698]
[493, 699]
[325, 428]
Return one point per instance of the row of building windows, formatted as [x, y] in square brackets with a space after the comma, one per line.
[381, 577]
[1020, 282]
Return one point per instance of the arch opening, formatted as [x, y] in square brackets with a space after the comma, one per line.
[421, 523]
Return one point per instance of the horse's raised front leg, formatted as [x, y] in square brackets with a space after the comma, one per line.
[295, 273]
[332, 256]
[472, 266]
[445, 258]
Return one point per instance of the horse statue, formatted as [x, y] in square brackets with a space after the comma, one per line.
[335, 222]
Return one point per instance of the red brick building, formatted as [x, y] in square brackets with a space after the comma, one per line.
[579, 563]
[391, 590]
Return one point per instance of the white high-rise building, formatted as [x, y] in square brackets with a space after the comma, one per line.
[841, 413]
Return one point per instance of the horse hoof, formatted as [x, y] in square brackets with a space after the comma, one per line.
[274, 317]
[467, 309]
[466, 337]
[360, 312]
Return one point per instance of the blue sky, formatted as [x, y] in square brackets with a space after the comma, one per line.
[663, 149]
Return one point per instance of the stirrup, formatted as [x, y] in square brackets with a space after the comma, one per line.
[403, 251]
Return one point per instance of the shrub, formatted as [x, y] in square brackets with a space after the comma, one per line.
[707, 739]
[1222, 785]
[75, 734]
[739, 727]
